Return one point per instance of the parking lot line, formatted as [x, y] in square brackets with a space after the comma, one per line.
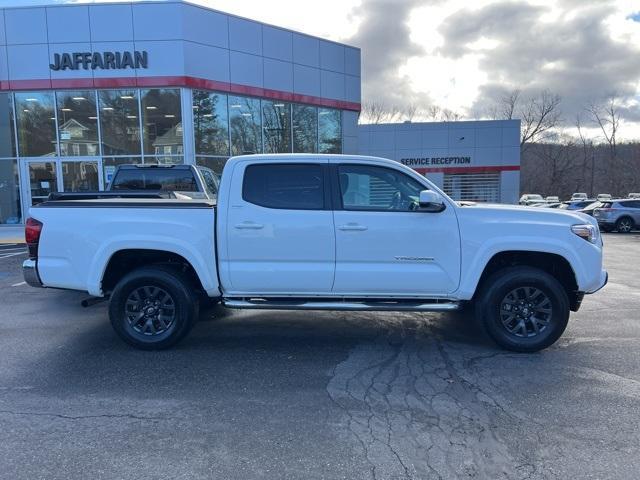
[7, 255]
[18, 284]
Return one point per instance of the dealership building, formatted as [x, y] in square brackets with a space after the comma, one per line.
[477, 161]
[84, 88]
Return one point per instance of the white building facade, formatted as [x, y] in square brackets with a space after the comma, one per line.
[84, 88]
[476, 161]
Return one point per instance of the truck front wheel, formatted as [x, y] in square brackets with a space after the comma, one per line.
[523, 309]
[153, 308]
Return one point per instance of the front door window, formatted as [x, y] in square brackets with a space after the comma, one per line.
[369, 188]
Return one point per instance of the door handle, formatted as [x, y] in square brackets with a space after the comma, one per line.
[352, 227]
[249, 226]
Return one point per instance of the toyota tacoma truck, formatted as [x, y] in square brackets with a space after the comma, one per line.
[318, 232]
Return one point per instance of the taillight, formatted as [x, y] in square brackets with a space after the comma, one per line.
[32, 230]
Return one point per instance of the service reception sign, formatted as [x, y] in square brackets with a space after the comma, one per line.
[435, 161]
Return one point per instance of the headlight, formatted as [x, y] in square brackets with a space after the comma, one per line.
[590, 233]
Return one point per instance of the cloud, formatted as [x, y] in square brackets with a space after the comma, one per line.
[385, 39]
[574, 54]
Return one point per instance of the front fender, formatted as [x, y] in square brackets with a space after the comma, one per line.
[476, 257]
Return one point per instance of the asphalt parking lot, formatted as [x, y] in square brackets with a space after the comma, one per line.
[318, 395]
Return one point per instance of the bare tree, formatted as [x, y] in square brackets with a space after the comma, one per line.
[539, 114]
[376, 112]
[410, 112]
[433, 112]
[588, 155]
[448, 115]
[506, 109]
[607, 117]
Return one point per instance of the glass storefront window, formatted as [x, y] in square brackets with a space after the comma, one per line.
[119, 122]
[80, 176]
[162, 121]
[77, 123]
[109, 165]
[36, 124]
[305, 129]
[10, 211]
[276, 118]
[43, 180]
[329, 131]
[210, 123]
[244, 122]
[7, 133]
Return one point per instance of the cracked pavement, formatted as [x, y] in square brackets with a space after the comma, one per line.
[321, 395]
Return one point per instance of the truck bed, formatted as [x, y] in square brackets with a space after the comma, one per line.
[80, 237]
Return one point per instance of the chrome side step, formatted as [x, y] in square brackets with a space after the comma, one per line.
[350, 305]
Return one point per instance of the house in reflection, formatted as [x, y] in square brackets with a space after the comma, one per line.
[77, 139]
[168, 144]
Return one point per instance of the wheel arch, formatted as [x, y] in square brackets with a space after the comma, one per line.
[554, 264]
[125, 260]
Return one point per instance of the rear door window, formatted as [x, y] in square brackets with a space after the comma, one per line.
[151, 179]
[285, 186]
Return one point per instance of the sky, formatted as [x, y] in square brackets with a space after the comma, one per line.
[465, 55]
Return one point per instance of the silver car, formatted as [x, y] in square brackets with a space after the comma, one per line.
[621, 215]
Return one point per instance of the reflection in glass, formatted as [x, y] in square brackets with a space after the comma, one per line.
[276, 117]
[109, 165]
[305, 129]
[214, 163]
[162, 121]
[42, 180]
[7, 134]
[77, 123]
[164, 160]
[80, 176]
[210, 123]
[9, 192]
[329, 131]
[36, 124]
[244, 122]
[119, 122]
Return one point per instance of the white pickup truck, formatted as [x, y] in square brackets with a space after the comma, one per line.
[311, 232]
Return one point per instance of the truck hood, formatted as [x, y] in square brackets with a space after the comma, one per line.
[522, 214]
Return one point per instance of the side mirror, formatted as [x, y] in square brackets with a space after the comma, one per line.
[431, 202]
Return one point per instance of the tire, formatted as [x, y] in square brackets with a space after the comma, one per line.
[509, 320]
[153, 308]
[625, 225]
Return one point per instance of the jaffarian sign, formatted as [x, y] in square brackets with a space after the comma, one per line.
[435, 161]
[101, 60]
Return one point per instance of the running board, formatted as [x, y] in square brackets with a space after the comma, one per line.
[356, 306]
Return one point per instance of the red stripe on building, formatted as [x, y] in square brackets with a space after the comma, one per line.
[177, 81]
[489, 169]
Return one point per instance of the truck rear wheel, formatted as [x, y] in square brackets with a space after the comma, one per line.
[523, 309]
[153, 308]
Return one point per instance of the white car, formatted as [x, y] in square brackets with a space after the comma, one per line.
[318, 232]
[579, 196]
[633, 195]
[552, 199]
[604, 197]
[531, 199]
